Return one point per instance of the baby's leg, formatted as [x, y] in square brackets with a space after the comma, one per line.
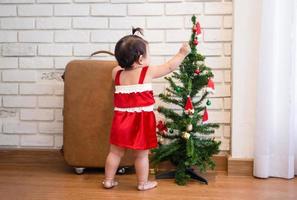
[112, 161]
[141, 165]
[142, 170]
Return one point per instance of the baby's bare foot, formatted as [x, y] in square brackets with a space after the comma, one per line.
[109, 183]
[147, 185]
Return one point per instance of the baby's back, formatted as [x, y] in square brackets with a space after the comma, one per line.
[132, 77]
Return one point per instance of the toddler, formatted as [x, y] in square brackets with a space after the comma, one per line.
[134, 123]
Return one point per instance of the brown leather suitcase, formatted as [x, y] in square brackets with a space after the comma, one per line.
[88, 112]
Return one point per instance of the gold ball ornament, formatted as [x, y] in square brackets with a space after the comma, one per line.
[186, 135]
[189, 127]
[167, 93]
[161, 140]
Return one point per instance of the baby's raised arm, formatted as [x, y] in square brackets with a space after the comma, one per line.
[164, 69]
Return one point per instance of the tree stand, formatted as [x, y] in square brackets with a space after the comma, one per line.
[189, 171]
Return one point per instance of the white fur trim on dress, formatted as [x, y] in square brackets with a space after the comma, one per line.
[136, 109]
[133, 88]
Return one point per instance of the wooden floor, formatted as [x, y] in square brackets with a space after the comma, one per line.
[45, 176]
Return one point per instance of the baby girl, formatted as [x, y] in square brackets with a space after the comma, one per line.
[134, 122]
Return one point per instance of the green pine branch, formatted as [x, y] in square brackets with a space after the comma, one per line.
[167, 99]
[200, 100]
[172, 92]
[169, 113]
[164, 152]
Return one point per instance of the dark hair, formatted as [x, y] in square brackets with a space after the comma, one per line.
[129, 48]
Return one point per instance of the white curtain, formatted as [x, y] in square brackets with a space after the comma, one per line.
[276, 114]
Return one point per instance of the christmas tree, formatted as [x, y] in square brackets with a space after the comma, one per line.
[189, 133]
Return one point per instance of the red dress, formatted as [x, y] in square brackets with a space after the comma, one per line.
[134, 122]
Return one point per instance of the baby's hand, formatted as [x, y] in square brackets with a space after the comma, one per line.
[185, 49]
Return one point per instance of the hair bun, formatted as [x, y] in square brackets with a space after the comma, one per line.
[134, 30]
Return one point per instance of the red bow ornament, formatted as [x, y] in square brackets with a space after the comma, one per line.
[162, 129]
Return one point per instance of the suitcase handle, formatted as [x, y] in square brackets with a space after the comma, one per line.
[102, 51]
[94, 53]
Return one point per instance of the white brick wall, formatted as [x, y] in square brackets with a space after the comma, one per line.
[35, 10]
[38, 38]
